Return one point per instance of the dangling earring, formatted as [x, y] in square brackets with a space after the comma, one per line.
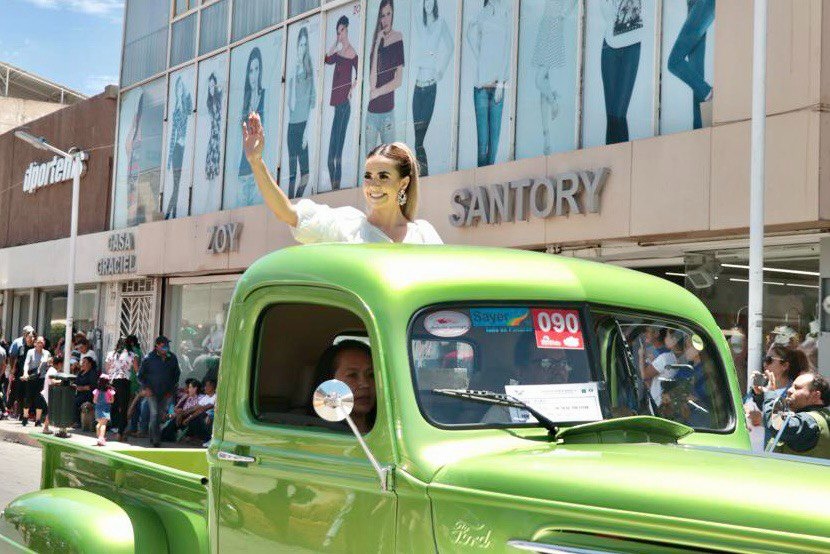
[402, 197]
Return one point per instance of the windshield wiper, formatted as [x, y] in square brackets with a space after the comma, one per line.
[490, 397]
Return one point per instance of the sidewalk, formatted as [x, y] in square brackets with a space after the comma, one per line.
[12, 431]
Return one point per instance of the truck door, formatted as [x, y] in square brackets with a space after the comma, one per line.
[290, 482]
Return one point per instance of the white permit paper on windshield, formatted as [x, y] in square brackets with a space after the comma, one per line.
[560, 403]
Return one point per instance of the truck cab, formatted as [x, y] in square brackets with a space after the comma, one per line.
[521, 402]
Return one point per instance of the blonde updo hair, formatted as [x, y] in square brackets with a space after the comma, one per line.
[407, 166]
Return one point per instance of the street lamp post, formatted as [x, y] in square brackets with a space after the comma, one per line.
[74, 161]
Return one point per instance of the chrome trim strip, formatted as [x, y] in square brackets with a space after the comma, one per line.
[236, 458]
[543, 548]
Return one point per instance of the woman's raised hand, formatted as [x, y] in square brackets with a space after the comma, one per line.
[253, 137]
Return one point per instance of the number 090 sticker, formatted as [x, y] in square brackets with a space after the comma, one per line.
[559, 329]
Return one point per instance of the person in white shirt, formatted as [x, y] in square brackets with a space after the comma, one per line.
[390, 189]
[33, 384]
[55, 366]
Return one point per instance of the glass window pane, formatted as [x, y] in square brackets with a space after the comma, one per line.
[688, 65]
[255, 86]
[547, 92]
[384, 93]
[213, 32]
[618, 103]
[296, 7]
[211, 112]
[183, 46]
[181, 6]
[196, 317]
[138, 173]
[432, 83]
[300, 131]
[181, 128]
[338, 146]
[250, 16]
[483, 133]
[145, 40]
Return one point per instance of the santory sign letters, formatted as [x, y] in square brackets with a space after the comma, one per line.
[571, 192]
[56, 170]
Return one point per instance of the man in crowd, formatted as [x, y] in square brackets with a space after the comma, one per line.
[807, 431]
[4, 378]
[17, 357]
[159, 377]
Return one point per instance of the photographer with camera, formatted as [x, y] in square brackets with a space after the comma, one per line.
[805, 430]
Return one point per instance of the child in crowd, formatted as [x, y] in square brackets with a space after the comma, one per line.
[55, 367]
[103, 395]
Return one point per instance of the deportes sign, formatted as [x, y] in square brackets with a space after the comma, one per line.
[57, 170]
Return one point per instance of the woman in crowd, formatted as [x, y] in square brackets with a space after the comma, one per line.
[301, 99]
[390, 189]
[433, 52]
[386, 64]
[33, 384]
[489, 37]
[121, 366]
[85, 382]
[253, 101]
[344, 58]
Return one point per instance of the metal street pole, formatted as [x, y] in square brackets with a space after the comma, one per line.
[75, 162]
[756, 191]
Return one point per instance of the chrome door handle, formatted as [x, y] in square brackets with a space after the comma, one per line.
[236, 458]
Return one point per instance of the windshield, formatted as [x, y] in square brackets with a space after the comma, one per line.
[571, 372]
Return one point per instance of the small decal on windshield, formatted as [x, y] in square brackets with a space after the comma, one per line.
[501, 319]
[557, 328]
[447, 324]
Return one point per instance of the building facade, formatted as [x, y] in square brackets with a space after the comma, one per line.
[616, 131]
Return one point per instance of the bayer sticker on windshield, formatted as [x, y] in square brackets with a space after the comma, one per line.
[502, 320]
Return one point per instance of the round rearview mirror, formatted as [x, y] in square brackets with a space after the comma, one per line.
[333, 400]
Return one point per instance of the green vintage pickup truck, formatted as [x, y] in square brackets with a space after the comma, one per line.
[520, 402]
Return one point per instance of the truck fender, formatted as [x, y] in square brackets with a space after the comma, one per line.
[74, 520]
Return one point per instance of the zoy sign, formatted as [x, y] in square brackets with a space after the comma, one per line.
[57, 170]
[224, 238]
[570, 192]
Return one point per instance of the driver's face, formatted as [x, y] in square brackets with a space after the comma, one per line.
[546, 366]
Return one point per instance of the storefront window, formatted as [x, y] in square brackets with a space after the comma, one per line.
[145, 39]
[256, 72]
[183, 46]
[53, 325]
[21, 302]
[138, 173]
[250, 16]
[618, 102]
[296, 7]
[213, 31]
[547, 92]
[195, 320]
[300, 128]
[486, 86]
[341, 116]
[688, 65]
[181, 128]
[211, 115]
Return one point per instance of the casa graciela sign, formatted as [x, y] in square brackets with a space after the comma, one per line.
[570, 192]
[57, 170]
[122, 259]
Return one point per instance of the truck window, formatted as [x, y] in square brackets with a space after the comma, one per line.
[294, 347]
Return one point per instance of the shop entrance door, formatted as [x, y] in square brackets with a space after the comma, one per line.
[137, 310]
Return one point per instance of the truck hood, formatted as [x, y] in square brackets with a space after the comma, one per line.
[697, 483]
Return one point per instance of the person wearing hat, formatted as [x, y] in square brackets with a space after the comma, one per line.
[159, 376]
[17, 355]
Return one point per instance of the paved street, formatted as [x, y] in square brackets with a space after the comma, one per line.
[19, 472]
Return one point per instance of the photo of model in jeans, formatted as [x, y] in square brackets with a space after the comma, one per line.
[688, 57]
[343, 57]
[178, 139]
[132, 144]
[433, 52]
[301, 99]
[619, 63]
[489, 37]
[253, 101]
[549, 53]
[385, 77]
[214, 149]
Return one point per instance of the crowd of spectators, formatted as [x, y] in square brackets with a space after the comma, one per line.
[129, 394]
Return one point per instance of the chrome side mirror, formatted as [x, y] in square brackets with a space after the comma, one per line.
[333, 401]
